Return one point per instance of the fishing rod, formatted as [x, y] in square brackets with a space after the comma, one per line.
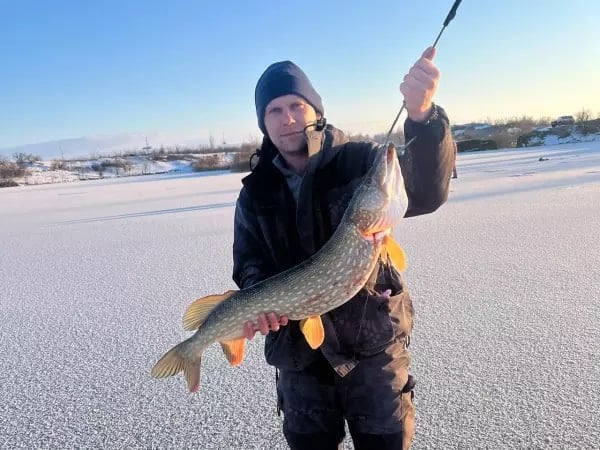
[449, 18]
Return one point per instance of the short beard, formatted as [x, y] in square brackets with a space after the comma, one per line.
[301, 150]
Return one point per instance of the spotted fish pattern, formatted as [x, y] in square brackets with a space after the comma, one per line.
[326, 280]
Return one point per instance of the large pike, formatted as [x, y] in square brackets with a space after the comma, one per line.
[326, 280]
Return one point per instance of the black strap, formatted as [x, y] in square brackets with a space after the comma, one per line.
[410, 384]
[277, 392]
[256, 155]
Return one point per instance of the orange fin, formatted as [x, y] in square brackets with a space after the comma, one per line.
[234, 350]
[197, 312]
[395, 253]
[313, 331]
[174, 362]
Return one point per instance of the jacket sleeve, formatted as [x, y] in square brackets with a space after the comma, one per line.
[250, 263]
[427, 164]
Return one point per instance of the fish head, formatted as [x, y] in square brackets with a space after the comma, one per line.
[380, 202]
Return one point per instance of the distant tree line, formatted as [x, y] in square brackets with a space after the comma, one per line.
[504, 133]
[9, 170]
[522, 131]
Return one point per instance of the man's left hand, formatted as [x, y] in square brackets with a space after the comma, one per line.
[419, 86]
[265, 324]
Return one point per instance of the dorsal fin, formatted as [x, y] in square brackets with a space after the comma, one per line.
[234, 350]
[196, 313]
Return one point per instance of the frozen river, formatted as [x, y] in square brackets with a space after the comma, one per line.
[505, 277]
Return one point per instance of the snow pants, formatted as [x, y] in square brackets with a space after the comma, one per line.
[375, 399]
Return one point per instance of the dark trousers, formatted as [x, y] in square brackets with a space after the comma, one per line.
[372, 399]
[329, 441]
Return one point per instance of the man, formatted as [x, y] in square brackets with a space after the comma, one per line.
[288, 207]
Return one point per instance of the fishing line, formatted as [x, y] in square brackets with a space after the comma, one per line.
[449, 18]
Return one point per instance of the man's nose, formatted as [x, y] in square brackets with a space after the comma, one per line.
[288, 118]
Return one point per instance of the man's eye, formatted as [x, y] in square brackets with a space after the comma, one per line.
[274, 111]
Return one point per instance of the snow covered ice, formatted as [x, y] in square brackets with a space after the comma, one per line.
[505, 278]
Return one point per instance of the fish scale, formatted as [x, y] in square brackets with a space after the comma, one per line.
[326, 280]
[290, 292]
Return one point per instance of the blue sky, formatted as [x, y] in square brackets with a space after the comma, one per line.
[79, 68]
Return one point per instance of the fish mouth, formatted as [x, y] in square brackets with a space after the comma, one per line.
[391, 188]
[393, 181]
[377, 236]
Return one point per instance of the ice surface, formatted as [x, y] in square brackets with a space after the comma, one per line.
[505, 279]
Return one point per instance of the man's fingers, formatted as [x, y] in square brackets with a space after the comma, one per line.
[249, 330]
[273, 321]
[415, 90]
[427, 67]
[419, 79]
[429, 53]
[263, 324]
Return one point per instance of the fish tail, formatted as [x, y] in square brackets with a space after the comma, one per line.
[176, 360]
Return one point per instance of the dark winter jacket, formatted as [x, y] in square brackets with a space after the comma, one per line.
[272, 234]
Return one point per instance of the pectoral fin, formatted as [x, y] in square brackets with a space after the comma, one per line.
[196, 313]
[313, 331]
[234, 350]
[395, 253]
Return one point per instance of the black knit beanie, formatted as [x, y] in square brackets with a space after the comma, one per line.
[283, 78]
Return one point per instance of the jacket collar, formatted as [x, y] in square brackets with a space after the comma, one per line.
[322, 147]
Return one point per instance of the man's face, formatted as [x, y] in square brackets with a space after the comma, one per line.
[285, 120]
